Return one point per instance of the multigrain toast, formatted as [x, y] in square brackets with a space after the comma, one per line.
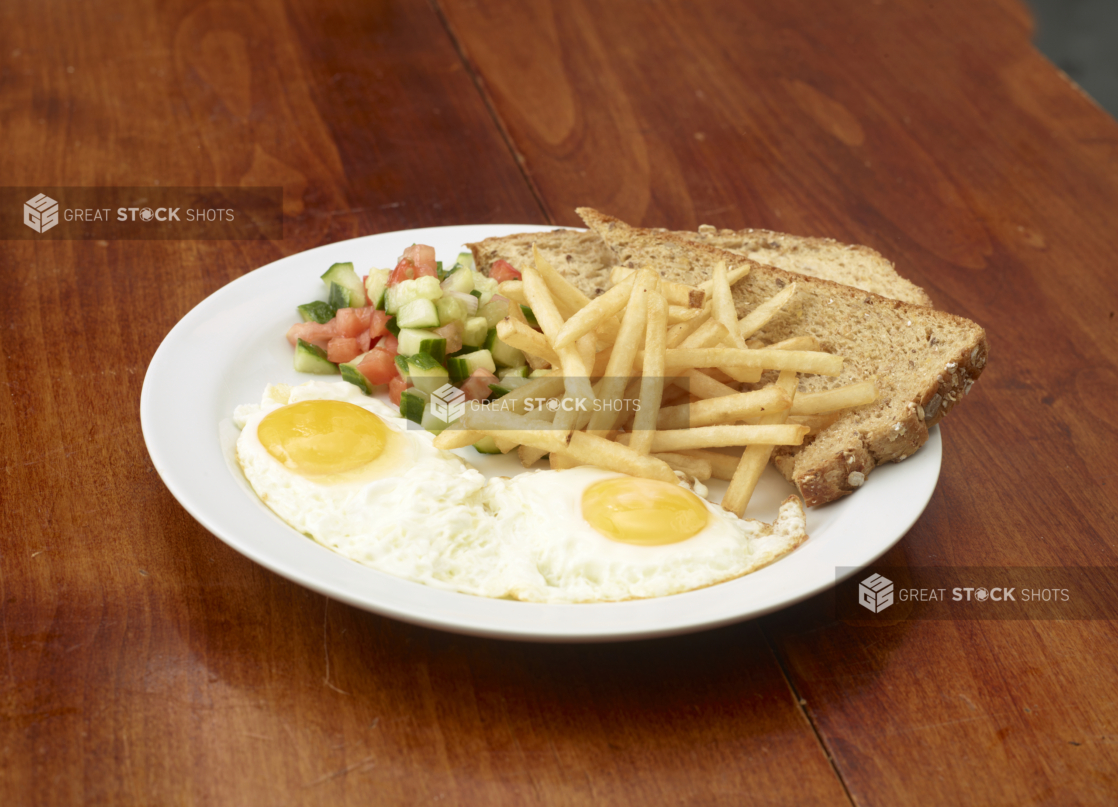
[851, 265]
[590, 258]
[923, 360]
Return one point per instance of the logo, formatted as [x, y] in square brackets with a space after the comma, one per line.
[40, 213]
[448, 403]
[875, 593]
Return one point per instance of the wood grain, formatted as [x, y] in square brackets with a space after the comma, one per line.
[144, 662]
[962, 155]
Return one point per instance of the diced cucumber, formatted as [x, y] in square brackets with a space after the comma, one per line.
[498, 390]
[515, 372]
[486, 285]
[376, 284]
[412, 403]
[317, 312]
[354, 376]
[425, 373]
[494, 311]
[462, 367]
[449, 309]
[503, 355]
[435, 348]
[477, 329]
[528, 315]
[487, 445]
[312, 359]
[465, 259]
[344, 276]
[459, 280]
[419, 313]
[405, 291]
[340, 296]
[393, 326]
[539, 373]
[411, 340]
[466, 349]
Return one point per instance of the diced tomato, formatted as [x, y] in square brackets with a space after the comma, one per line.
[390, 344]
[342, 348]
[364, 341]
[351, 321]
[452, 333]
[501, 270]
[318, 335]
[378, 324]
[423, 257]
[417, 261]
[395, 387]
[477, 385]
[378, 366]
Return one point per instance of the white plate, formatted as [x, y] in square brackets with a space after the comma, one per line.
[225, 351]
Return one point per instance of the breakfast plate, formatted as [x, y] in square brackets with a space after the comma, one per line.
[231, 346]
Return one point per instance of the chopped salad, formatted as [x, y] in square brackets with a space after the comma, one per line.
[414, 328]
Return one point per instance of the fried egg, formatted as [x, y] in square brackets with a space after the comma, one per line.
[597, 536]
[347, 471]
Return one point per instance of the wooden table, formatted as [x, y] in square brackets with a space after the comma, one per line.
[146, 663]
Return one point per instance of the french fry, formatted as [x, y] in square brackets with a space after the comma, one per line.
[678, 314]
[756, 457]
[732, 277]
[652, 376]
[678, 333]
[529, 456]
[575, 371]
[674, 293]
[590, 449]
[711, 333]
[513, 290]
[568, 298]
[456, 436]
[561, 462]
[722, 466]
[525, 338]
[549, 386]
[620, 365]
[698, 468]
[817, 403]
[801, 361]
[702, 385]
[794, 343]
[724, 409]
[724, 311]
[759, 317]
[594, 314]
[784, 434]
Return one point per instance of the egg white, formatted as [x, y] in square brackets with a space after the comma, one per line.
[579, 564]
[426, 515]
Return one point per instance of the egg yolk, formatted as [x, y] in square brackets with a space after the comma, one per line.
[645, 512]
[323, 437]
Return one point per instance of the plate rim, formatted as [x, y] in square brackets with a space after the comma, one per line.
[926, 465]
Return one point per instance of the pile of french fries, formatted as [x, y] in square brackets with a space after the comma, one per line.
[653, 377]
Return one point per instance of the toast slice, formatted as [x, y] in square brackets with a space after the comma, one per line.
[857, 266]
[590, 258]
[923, 360]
